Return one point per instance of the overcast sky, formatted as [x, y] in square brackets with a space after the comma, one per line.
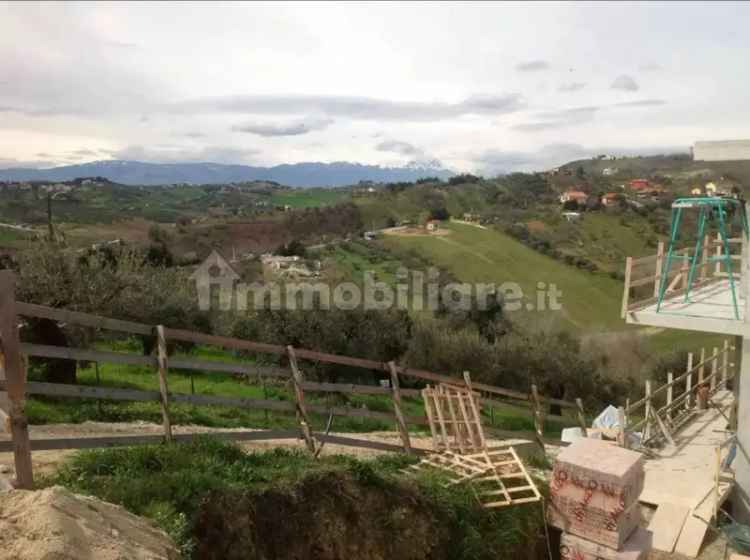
[482, 88]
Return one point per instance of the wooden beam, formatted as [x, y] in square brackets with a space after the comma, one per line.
[689, 381]
[4, 401]
[538, 419]
[622, 436]
[659, 265]
[670, 382]
[299, 395]
[400, 421]
[626, 291]
[15, 374]
[647, 414]
[161, 345]
[83, 319]
[581, 417]
[714, 369]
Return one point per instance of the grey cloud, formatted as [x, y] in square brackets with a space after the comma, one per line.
[44, 155]
[296, 128]
[399, 147]
[365, 108]
[558, 119]
[551, 120]
[84, 152]
[533, 66]
[181, 154]
[625, 83]
[641, 103]
[572, 86]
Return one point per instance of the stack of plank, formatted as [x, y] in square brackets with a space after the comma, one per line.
[594, 501]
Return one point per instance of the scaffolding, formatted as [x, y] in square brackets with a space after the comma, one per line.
[713, 213]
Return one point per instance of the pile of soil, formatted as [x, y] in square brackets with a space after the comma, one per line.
[56, 524]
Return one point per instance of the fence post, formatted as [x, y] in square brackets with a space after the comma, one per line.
[4, 401]
[299, 396]
[627, 411]
[396, 395]
[163, 387]
[689, 381]
[622, 437]
[659, 265]
[538, 418]
[670, 380]
[15, 373]
[725, 364]
[626, 291]
[581, 417]
[704, 257]
[714, 368]
[702, 367]
[647, 413]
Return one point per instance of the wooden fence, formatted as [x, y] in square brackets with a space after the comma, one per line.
[14, 386]
[643, 275]
[663, 410]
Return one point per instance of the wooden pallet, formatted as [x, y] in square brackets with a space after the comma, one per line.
[454, 418]
[498, 477]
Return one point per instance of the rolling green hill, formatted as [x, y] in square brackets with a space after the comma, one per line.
[590, 301]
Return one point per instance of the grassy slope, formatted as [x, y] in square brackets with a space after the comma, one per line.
[309, 198]
[179, 485]
[590, 301]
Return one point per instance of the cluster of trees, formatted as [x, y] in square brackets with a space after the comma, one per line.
[313, 223]
[521, 233]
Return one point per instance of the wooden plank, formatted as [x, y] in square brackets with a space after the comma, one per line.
[626, 290]
[691, 537]
[254, 435]
[15, 376]
[666, 525]
[581, 417]
[714, 369]
[400, 420]
[246, 369]
[223, 341]
[299, 396]
[161, 372]
[427, 399]
[83, 319]
[4, 401]
[663, 428]
[62, 352]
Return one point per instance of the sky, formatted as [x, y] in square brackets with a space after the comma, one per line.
[484, 88]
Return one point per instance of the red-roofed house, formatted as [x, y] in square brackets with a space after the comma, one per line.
[579, 196]
[640, 184]
[610, 199]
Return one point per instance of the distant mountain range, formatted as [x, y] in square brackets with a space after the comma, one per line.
[313, 174]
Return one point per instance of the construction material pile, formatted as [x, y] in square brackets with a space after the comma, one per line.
[594, 501]
[54, 523]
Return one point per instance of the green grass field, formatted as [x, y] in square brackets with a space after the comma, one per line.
[590, 301]
[309, 198]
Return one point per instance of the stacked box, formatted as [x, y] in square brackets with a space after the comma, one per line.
[636, 547]
[594, 492]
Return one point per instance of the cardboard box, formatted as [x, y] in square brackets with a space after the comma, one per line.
[636, 547]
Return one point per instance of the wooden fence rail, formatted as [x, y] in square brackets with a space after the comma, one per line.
[13, 383]
[665, 420]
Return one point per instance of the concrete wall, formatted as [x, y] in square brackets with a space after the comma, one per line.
[724, 150]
